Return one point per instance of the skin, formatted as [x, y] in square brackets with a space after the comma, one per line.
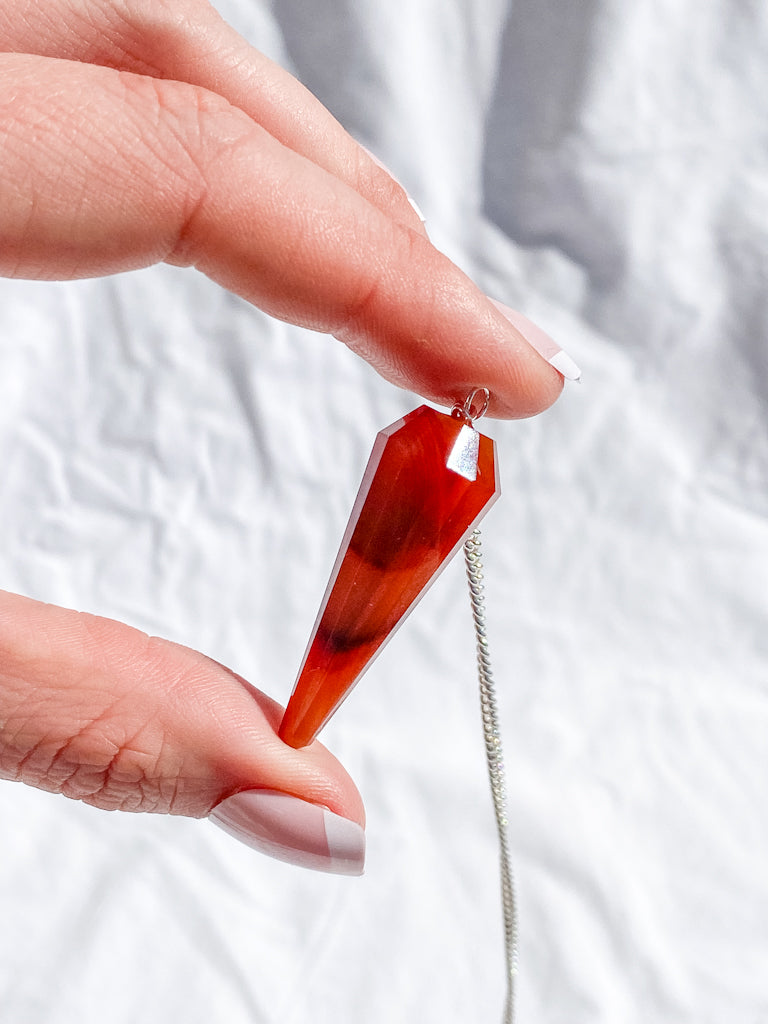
[134, 132]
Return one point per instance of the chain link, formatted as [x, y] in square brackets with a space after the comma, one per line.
[495, 759]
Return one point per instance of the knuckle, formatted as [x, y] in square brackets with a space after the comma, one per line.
[374, 285]
[89, 709]
[191, 135]
[185, 134]
[112, 772]
[96, 762]
[150, 27]
[135, 35]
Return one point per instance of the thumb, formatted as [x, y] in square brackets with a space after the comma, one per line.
[103, 713]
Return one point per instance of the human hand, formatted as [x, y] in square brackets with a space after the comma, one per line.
[105, 714]
[139, 131]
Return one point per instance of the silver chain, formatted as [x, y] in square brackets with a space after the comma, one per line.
[495, 758]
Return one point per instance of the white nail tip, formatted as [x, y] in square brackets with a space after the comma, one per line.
[346, 844]
[293, 830]
[541, 341]
[563, 363]
[417, 209]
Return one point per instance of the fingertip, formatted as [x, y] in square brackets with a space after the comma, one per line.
[541, 341]
[530, 386]
[311, 773]
[505, 355]
[525, 402]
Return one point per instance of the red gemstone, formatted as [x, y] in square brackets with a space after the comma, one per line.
[429, 481]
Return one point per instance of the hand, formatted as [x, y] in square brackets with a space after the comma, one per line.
[138, 131]
[135, 131]
[105, 714]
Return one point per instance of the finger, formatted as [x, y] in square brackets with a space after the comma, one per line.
[122, 171]
[188, 41]
[102, 713]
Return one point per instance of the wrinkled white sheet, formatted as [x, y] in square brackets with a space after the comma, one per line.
[173, 458]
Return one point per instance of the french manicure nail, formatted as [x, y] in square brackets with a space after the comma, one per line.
[293, 830]
[541, 341]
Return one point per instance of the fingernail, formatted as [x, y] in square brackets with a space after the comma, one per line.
[541, 341]
[414, 205]
[293, 830]
[416, 208]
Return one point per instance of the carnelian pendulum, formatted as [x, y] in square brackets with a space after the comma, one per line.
[430, 479]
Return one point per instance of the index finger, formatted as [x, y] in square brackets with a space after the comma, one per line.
[122, 171]
[188, 41]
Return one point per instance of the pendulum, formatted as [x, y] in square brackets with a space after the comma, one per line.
[430, 479]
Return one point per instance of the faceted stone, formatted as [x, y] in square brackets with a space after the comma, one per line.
[430, 479]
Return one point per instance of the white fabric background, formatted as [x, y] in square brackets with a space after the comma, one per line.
[173, 458]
